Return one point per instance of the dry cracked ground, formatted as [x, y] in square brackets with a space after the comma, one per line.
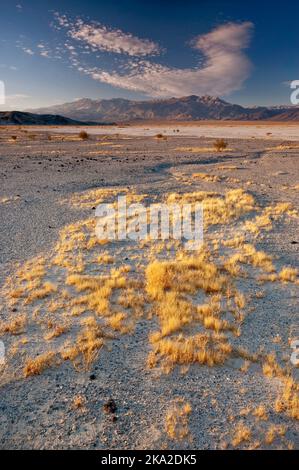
[145, 344]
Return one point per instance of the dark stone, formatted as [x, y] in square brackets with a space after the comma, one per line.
[110, 406]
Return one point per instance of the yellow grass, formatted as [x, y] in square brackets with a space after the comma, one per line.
[242, 434]
[288, 274]
[40, 293]
[206, 177]
[78, 402]
[35, 366]
[199, 149]
[260, 412]
[87, 345]
[15, 326]
[177, 420]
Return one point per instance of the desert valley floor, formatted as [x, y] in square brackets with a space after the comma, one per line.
[147, 345]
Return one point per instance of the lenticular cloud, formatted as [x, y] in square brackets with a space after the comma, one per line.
[225, 69]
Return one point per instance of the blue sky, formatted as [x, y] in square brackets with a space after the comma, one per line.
[57, 51]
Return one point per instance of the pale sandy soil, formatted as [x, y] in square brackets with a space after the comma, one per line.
[247, 400]
[213, 129]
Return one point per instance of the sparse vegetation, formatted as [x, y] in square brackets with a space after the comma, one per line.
[220, 145]
[177, 420]
[193, 308]
[242, 434]
[35, 366]
[78, 402]
[83, 135]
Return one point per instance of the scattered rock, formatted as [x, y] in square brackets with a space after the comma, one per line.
[110, 406]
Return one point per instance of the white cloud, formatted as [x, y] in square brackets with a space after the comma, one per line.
[10, 67]
[45, 53]
[14, 101]
[28, 51]
[102, 38]
[225, 69]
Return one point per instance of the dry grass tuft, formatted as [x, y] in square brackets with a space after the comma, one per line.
[37, 365]
[242, 434]
[177, 420]
[15, 326]
[206, 177]
[89, 341]
[288, 274]
[220, 145]
[260, 412]
[78, 402]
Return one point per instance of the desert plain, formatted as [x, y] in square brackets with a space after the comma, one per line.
[147, 345]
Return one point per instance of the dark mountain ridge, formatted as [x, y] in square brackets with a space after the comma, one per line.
[187, 108]
[24, 118]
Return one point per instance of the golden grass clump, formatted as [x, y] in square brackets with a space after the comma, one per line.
[105, 258]
[264, 221]
[258, 259]
[260, 412]
[273, 432]
[40, 293]
[242, 434]
[15, 326]
[288, 274]
[98, 290]
[35, 366]
[88, 343]
[185, 274]
[119, 322]
[56, 331]
[202, 348]
[78, 402]
[206, 177]
[218, 209]
[169, 285]
[177, 420]
[288, 401]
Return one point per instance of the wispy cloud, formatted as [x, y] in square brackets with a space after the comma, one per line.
[15, 101]
[222, 68]
[225, 69]
[102, 38]
[10, 67]
[28, 51]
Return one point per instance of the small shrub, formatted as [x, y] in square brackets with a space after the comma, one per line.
[220, 145]
[78, 402]
[161, 137]
[83, 135]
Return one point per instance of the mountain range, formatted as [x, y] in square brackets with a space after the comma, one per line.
[179, 109]
[26, 118]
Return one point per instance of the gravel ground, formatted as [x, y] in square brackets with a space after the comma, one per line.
[36, 174]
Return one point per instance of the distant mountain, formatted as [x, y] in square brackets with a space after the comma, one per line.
[180, 109]
[24, 118]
